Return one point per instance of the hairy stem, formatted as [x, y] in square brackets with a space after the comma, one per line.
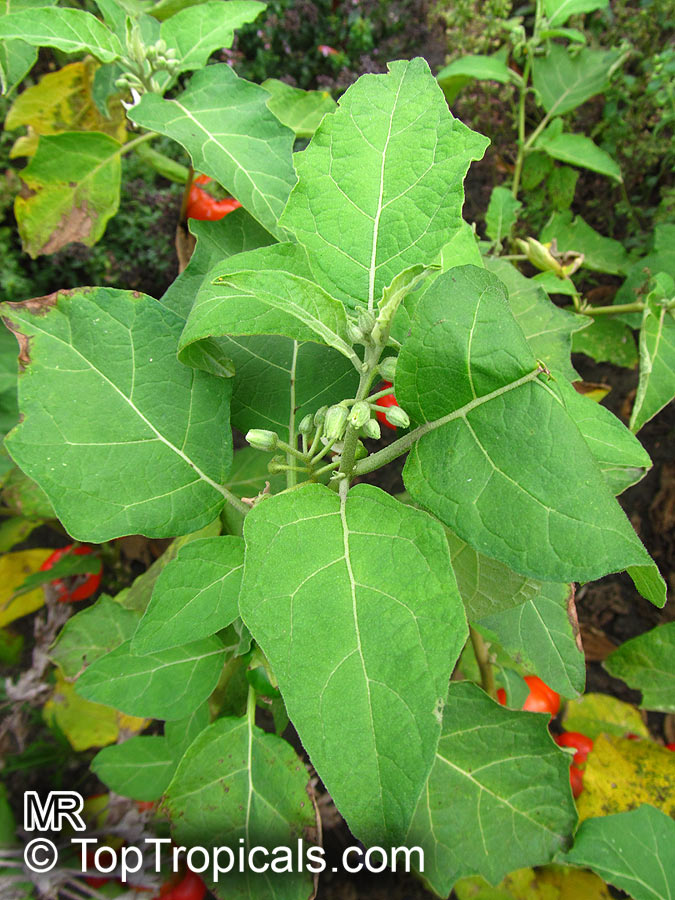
[480, 650]
[617, 310]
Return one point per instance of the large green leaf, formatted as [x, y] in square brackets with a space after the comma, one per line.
[507, 470]
[355, 605]
[602, 254]
[194, 33]
[578, 150]
[498, 796]
[647, 663]
[380, 185]
[91, 633]
[548, 328]
[565, 81]
[237, 785]
[121, 436]
[656, 386]
[72, 189]
[224, 124]
[302, 111]
[559, 11]
[634, 851]
[196, 595]
[538, 634]
[140, 768]
[166, 685]
[70, 30]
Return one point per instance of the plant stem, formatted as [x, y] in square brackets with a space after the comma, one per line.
[521, 126]
[218, 696]
[483, 659]
[616, 310]
[182, 219]
[291, 475]
[141, 139]
[399, 447]
[233, 500]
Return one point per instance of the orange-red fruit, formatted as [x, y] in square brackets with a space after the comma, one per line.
[576, 781]
[541, 698]
[501, 696]
[582, 744]
[81, 591]
[201, 205]
[671, 747]
[386, 401]
[190, 888]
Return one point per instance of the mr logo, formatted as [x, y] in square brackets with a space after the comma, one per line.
[59, 806]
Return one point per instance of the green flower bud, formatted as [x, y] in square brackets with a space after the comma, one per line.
[320, 415]
[366, 321]
[356, 336]
[276, 465]
[387, 368]
[397, 416]
[360, 414]
[306, 425]
[335, 423]
[371, 430]
[260, 439]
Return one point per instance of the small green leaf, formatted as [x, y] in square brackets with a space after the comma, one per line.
[656, 386]
[72, 189]
[461, 71]
[502, 214]
[579, 150]
[166, 685]
[70, 30]
[91, 633]
[16, 60]
[302, 111]
[564, 81]
[237, 785]
[196, 595]
[197, 31]
[607, 340]
[634, 851]
[559, 11]
[498, 796]
[368, 618]
[140, 768]
[601, 254]
[647, 663]
[239, 142]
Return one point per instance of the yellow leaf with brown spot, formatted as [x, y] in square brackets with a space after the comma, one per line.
[63, 101]
[14, 568]
[621, 774]
[86, 724]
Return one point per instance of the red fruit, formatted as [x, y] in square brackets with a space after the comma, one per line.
[72, 589]
[582, 744]
[633, 737]
[501, 696]
[94, 880]
[576, 781]
[190, 888]
[385, 402]
[541, 697]
[201, 205]
[671, 747]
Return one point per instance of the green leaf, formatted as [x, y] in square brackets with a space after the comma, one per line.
[548, 328]
[91, 633]
[508, 470]
[498, 796]
[502, 214]
[565, 81]
[539, 635]
[224, 124]
[368, 618]
[486, 585]
[166, 685]
[215, 241]
[621, 457]
[22, 496]
[98, 434]
[559, 11]
[607, 340]
[248, 477]
[301, 111]
[596, 714]
[656, 386]
[461, 71]
[72, 189]
[561, 185]
[380, 185]
[195, 596]
[634, 851]
[70, 30]
[579, 150]
[197, 31]
[237, 785]
[601, 254]
[647, 663]
[180, 733]
[16, 60]
[140, 768]
[560, 286]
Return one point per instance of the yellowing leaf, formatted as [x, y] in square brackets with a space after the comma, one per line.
[86, 724]
[14, 567]
[545, 883]
[621, 774]
[595, 714]
[62, 101]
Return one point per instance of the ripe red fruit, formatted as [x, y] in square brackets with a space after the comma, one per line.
[385, 402]
[582, 744]
[671, 747]
[190, 888]
[72, 589]
[201, 205]
[576, 781]
[541, 698]
[501, 696]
